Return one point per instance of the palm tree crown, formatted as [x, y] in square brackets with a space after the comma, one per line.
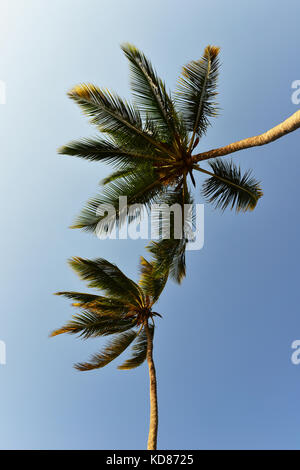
[151, 143]
[123, 312]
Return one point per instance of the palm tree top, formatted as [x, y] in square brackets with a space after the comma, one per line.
[155, 119]
[151, 142]
[123, 311]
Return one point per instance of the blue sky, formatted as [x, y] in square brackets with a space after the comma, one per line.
[223, 348]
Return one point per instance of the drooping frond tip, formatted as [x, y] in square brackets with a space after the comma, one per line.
[211, 51]
[60, 331]
[82, 90]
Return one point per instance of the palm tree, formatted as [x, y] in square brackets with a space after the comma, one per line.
[152, 144]
[126, 312]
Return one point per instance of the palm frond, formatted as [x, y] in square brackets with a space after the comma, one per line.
[139, 187]
[113, 349]
[80, 297]
[97, 303]
[139, 350]
[197, 91]
[104, 150]
[101, 274]
[89, 324]
[150, 92]
[172, 232]
[116, 175]
[168, 212]
[151, 284]
[169, 258]
[110, 113]
[140, 146]
[227, 187]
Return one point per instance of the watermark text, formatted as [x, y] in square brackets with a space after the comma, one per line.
[296, 94]
[2, 92]
[165, 222]
[2, 353]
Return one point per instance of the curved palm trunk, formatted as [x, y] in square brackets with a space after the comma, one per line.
[152, 437]
[289, 125]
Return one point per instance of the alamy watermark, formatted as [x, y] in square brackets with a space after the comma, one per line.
[295, 357]
[296, 94]
[2, 353]
[2, 92]
[166, 221]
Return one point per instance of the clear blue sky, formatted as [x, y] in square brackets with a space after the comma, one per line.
[223, 348]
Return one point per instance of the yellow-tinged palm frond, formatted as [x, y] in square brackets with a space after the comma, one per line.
[91, 324]
[97, 303]
[112, 114]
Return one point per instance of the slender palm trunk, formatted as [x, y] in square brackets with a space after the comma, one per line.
[289, 125]
[152, 437]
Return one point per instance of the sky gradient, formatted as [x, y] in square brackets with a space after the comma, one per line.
[223, 348]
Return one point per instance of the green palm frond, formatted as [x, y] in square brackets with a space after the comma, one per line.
[140, 146]
[197, 91]
[101, 274]
[80, 297]
[151, 283]
[150, 92]
[89, 324]
[113, 349]
[111, 114]
[171, 229]
[169, 258]
[97, 303]
[227, 187]
[116, 175]
[99, 149]
[139, 350]
[139, 187]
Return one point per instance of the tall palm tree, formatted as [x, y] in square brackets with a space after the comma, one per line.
[126, 312]
[152, 143]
